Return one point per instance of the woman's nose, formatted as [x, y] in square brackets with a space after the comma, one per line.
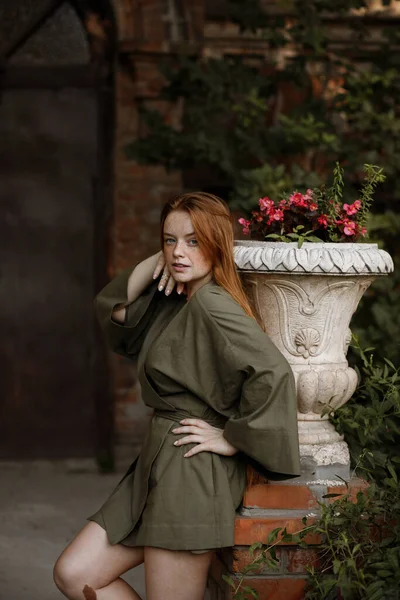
[178, 250]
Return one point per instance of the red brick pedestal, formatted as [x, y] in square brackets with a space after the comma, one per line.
[266, 506]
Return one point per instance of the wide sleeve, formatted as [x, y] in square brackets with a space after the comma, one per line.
[127, 338]
[263, 425]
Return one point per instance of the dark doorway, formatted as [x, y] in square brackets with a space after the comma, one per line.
[54, 175]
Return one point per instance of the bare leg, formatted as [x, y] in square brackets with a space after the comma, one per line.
[175, 575]
[90, 567]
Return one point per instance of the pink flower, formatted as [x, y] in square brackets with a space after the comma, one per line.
[246, 224]
[277, 215]
[322, 220]
[349, 227]
[313, 206]
[351, 209]
[308, 195]
[266, 204]
[363, 230]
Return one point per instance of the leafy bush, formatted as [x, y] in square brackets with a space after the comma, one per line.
[359, 556]
[370, 421]
[360, 552]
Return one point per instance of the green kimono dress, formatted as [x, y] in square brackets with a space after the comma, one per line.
[203, 358]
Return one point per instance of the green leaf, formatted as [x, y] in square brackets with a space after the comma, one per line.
[252, 567]
[374, 587]
[356, 549]
[389, 362]
[336, 566]
[251, 591]
[228, 580]
[273, 535]
[392, 472]
[254, 547]
[378, 595]
[384, 574]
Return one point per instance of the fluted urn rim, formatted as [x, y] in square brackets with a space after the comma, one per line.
[327, 258]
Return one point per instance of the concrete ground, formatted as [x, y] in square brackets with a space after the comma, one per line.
[42, 506]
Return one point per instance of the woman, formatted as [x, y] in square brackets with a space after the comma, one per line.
[222, 394]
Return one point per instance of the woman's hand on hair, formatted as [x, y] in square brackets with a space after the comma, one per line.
[207, 438]
[167, 282]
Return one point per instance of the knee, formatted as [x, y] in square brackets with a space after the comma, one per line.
[66, 577]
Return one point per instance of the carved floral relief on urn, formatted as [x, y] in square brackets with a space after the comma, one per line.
[306, 298]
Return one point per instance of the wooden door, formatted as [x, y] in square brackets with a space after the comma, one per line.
[47, 169]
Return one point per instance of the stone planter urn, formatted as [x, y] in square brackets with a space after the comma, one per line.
[306, 298]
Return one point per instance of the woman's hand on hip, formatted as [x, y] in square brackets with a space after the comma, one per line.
[207, 438]
[167, 282]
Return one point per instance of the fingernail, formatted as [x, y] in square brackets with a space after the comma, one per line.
[180, 292]
[182, 422]
[160, 287]
[167, 292]
[176, 443]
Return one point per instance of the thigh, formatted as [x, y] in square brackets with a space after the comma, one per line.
[90, 558]
[175, 575]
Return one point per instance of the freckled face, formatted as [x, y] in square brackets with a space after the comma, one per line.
[186, 262]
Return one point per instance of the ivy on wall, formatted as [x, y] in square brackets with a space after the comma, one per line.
[273, 123]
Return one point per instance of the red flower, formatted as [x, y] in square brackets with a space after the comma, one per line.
[266, 204]
[323, 220]
[257, 216]
[313, 206]
[298, 200]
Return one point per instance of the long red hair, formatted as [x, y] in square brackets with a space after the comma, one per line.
[212, 224]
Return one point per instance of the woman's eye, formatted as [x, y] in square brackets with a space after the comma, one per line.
[193, 242]
[169, 241]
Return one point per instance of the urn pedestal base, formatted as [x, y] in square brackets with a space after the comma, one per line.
[266, 506]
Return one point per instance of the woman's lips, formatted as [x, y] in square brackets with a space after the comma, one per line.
[180, 268]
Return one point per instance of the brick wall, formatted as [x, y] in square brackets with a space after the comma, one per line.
[144, 29]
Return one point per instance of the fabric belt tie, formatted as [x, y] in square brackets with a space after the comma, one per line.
[215, 420]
